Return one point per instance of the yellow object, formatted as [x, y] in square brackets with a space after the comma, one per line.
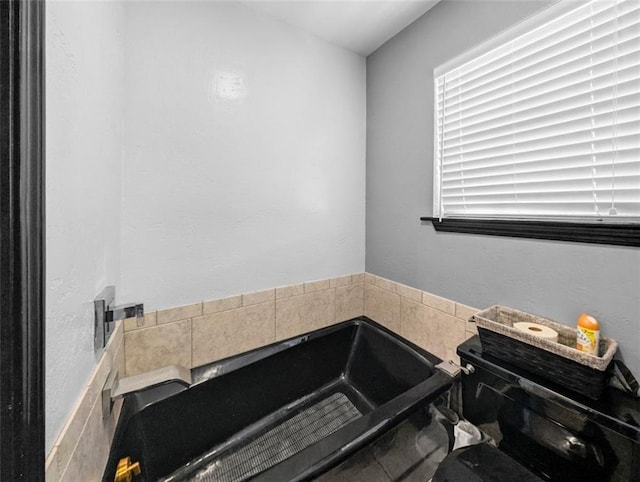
[126, 470]
[588, 334]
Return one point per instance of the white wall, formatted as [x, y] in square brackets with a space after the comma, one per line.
[261, 188]
[205, 195]
[84, 95]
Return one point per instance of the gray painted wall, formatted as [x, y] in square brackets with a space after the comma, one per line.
[558, 280]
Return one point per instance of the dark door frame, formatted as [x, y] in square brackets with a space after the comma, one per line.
[22, 240]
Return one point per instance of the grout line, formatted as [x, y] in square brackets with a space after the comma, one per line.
[335, 306]
[191, 342]
[400, 330]
[275, 322]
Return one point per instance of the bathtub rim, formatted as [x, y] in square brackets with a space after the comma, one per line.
[153, 395]
[234, 362]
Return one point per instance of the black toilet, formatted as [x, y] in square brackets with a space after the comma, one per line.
[542, 432]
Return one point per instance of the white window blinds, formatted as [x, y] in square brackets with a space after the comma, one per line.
[544, 124]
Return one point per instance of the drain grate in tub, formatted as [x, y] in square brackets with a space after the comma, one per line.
[281, 442]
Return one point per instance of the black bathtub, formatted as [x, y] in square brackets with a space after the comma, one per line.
[288, 411]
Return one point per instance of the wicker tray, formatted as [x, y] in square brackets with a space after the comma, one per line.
[559, 363]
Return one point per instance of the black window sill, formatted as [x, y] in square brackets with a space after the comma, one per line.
[598, 233]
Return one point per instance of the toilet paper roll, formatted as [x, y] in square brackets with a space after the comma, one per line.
[535, 329]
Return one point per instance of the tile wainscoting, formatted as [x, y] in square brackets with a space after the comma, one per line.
[436, 324]
[208, 331]
[204, 332]
[81, 450]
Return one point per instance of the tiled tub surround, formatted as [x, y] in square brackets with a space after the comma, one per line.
[436, 324]
[80, 452]
[203, 332]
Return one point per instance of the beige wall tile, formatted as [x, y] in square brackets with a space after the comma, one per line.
[382, 306]
[431, 329]
[179, 313]
[116, 337]
[52, 466]
[349, 302]
[439, 303]
[369, 279]
[150, 319]
[92, 450]
[159, 346]
[341, 281]
[224, 304]
[465, 312]
[115, 357]
[308, 312]
[100, 375]
[85, 426]
[357, 278]
[409, 292]
[287, 291]
[385, 284]
[320, 285]
[411, 315]
[470, 328]
[118, 361]
[444, 333]
[256, 297]
[227, 333]
[112, 354]
[68, 438]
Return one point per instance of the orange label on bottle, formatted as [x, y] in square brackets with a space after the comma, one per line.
[587, 340]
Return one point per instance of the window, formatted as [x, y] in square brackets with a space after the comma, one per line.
[539, 129]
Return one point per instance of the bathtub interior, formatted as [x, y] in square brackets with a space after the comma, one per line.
[238, 423]
[412, 450]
